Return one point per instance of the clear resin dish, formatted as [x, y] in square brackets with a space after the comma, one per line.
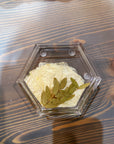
[75, 56]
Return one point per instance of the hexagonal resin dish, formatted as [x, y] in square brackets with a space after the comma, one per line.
[75, 56]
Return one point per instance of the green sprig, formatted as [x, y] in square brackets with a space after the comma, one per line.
[51, 98]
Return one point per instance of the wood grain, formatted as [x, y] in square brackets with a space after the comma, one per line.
[26, 22]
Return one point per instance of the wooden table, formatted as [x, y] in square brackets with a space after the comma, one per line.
[26, 22]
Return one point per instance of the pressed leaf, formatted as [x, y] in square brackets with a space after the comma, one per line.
[66, 89]
[71, 96]
[61, 95]
[63, 83]
[74, 82]
[55, 101]
[66, 98]
[48, 91]
[84, 86]
[50, 106]
[58, 96]
[72, 90]
[51, 98]
[44, 98]
[70, 86]
[55, 86]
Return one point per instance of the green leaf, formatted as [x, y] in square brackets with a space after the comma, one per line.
[63, 83]
[84, 86]
[72, 90]
[74, 82]
[70, 97]
[50, 106]
[51, 98]
[43, 98]
[55, 101]
[58, 96]
[70, 86]
[66, 89]
[66, 98]
[55, 87]
[48, 93]
[52, 103]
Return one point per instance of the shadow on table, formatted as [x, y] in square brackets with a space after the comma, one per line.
[7, 4]
[83, 131]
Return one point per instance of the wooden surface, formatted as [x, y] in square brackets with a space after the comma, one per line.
[26, 22]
